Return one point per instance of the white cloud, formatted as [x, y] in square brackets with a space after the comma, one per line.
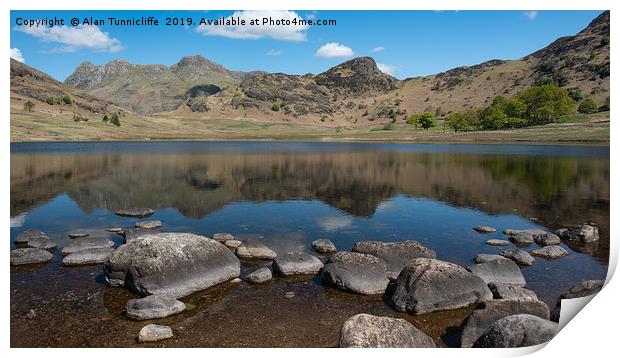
[274, 53]
[285, 32]
[75, 38]
[334, 49]
[311, 15]
[16, 54]
[378, 49]
[389, 69]
[334, 223]
[531, 14]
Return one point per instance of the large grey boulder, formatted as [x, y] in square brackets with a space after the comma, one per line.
[87, 257]
[581, 233]
[254, 249]
[501, 271]
[153, 224]
[520, 330]
[260, 275]
[429, 285]
[23, 237]
[154, 306]
[135, 233]
[172, 264]
[154, 333]
[481, 258]
[395, 254]
[297, 264]
[44, 243]
[368, 331]
[135, 213]
[519, 256]
[87, 243]
[29, 256]
[550, 252]
[324, 246]
[488, 312]
[511, 292]
[582, 289]
[356, 272]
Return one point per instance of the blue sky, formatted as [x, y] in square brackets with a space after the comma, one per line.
[405, 43]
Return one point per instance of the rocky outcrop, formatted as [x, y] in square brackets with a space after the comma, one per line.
[357, 76]
[429, 285]
[581, 234]
[171, 264]
[548, 238]
[368, 331]
[198, 104]
[395, 254]
[550, 252]
[154, 333]
[582, 289]
[152, 307]
[511, 292]
[296, 264]
[29, 256]
[39, 242]
[356, 272]
[29, 234]
[502, 271]
[135, 233]
[520, 330]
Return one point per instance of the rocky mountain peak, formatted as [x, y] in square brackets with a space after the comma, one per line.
[358, 75]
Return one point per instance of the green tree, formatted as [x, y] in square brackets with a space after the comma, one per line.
[514, 108]
[575, 93]
[494, 118]
[456, 121]
[66, 99]
[546, 103]
[115, 120]
[50, 101]
[426, 120]
[105, 118]
[414, 119]
[275, 107]
[587, 106]
[29, 106]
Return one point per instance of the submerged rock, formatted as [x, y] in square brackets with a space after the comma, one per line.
[222, 236]
[154, 224]
[429, 285]
[153, 333]
[481, 258]
[520, 330]
[25, 236]
[78, 234]
[233, 244]
[133, 234]
[368, 331]
[485, 229]
[582, 289]
[29, 256]
[395, 254]
[496, 242]
[154, 306]
[511, 292]
[87, 257]
[42, 243]
[260, 275]
[501, 271]
[324, 246]
[87, 243]
[581, 233]
[297, 264]
[550, 252]
[135, 213]
[172, 264]
[488, 312]
[254, 249]
[519, 256]
[356, 272]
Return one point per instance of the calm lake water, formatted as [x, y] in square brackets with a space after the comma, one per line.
[291, 194]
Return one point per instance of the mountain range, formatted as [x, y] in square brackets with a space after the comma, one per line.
[353, 93]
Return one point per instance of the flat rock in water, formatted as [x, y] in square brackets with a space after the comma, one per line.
[522, 239]
[260, 275]
[42, 243]
[116, 230]
[153, 224]
[550, 252]
[582, 289]
[548, 238]
[133, 234]
[496, 242]
[87, 243]
[135, 213]
[511, 292]
[23, 237]
[520, 330]
[222, 236]
[356, 272]
[254, 249]
[502, 271]
[154, 306]
[78, 234]
[87, 257]
[581, 233]
[29, 256]
[171, 264]
[368, 331]
[488, 312]
[153, 333]
[297, 264]
[324, 246]
[233, 244]
[519, 256]
[429, 285]
[480, 258]
[395, 254]
[531, 232]
[484, 229]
